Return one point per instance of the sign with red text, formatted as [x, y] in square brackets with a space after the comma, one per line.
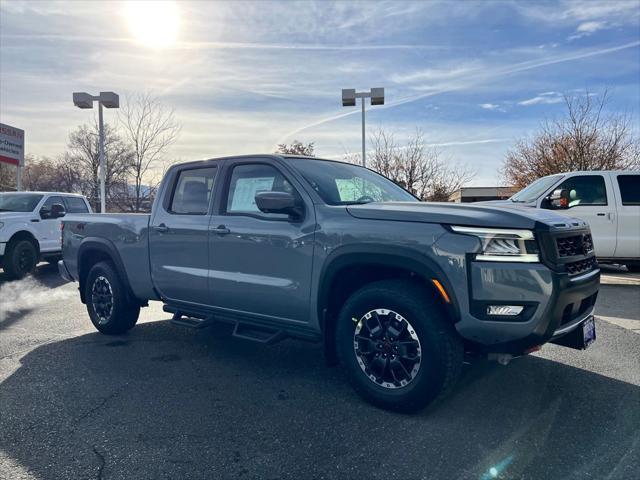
[11, 145]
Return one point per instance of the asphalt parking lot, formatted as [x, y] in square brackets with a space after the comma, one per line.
[167, 402]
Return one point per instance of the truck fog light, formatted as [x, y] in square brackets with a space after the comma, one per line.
[509, 310]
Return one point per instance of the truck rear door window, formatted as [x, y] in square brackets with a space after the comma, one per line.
[192, 191]
[75, 205]
[629, 189]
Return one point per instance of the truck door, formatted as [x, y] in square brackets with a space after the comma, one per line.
[48, 228]
[178, 235]
[261, 263]
[591, 199]
[627, 189]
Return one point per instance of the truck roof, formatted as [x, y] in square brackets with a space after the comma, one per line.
[67, 194]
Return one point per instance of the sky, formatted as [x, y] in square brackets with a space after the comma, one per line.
[242, 77]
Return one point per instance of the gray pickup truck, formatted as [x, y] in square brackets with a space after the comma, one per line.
[397, 290]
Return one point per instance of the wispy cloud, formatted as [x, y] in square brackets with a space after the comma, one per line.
[489, 106]
[545, 98]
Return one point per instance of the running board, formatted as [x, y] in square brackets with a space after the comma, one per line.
[258, 334]
[190, 322]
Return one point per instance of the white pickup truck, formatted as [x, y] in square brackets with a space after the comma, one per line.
[609, 201]
[30, 228]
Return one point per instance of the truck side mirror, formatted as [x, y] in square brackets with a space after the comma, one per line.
[57, 211]
[559, 199]
[278, 202]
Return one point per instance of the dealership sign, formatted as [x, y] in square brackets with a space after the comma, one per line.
[11, 145]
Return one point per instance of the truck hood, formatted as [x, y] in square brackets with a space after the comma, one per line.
[472, 215]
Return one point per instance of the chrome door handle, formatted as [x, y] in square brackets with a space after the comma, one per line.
[162, 228]
[220, 230]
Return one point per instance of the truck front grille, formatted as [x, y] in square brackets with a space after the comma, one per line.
[581, 266]
[577, 245]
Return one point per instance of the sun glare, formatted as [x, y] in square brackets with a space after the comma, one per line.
[153, 23]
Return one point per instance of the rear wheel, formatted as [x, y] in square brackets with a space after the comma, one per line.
[398, 346]
[109, 307]
[20, 259]
[633, 267]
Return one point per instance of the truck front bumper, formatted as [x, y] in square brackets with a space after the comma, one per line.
[554, 304]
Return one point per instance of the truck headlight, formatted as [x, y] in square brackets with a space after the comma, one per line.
[503, 245]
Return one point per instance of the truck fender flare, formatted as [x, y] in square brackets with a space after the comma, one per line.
[106, 247]
[385, 255]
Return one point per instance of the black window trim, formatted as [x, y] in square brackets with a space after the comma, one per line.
[174, 185]
[626, 204]
[224, 201]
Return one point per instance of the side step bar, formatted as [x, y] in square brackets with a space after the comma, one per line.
[245, 331]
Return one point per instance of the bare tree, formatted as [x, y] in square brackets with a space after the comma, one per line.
[418, 168]
[296, 148]
[150, 129]
[584, 138]
[82, 155]
[7, 177]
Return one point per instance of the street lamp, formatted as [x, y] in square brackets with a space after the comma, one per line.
[109, 100]
[349, 96]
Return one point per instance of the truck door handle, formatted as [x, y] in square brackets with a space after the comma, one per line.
[220, 230]
[162, 228]
[601, 214]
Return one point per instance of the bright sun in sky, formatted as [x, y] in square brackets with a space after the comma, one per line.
[153, 23]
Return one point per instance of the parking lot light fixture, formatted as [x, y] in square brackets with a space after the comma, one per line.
[349, 96]
[108, 100]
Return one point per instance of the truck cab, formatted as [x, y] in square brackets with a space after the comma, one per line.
[30, 227]
[609, 201]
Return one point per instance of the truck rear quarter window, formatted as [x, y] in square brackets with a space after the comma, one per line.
[629, 189]
[192, 191]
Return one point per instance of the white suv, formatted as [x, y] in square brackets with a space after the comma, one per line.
[30, 227]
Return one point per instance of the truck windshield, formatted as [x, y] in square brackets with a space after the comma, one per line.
[344, 184]
[532, 192]
[18, 202]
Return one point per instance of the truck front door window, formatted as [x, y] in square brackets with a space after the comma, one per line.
[585, 190]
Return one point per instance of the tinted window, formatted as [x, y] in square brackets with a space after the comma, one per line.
[192, 191]
[629, 189]
[247, 180]
[585, 190]
[18, 202]
[75, 205]
[342, 184]
[50, 201]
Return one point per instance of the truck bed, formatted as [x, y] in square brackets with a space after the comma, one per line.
[123, 233]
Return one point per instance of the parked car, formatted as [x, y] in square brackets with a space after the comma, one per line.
[30, 228]
[609, 201]
[397, 289]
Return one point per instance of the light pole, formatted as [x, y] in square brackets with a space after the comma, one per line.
[109, 100]
[349, 96]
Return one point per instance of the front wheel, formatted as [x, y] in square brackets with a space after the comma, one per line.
[398, 346]
[109, 307]
[20, 259]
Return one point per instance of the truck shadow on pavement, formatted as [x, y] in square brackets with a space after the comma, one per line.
[163, 402]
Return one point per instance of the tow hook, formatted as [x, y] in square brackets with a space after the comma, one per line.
[501, 358]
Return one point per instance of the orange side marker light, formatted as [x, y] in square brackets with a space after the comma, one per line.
[441, 289]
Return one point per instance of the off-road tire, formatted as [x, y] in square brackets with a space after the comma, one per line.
[109, 307]
[441, 347]
[20, 259]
